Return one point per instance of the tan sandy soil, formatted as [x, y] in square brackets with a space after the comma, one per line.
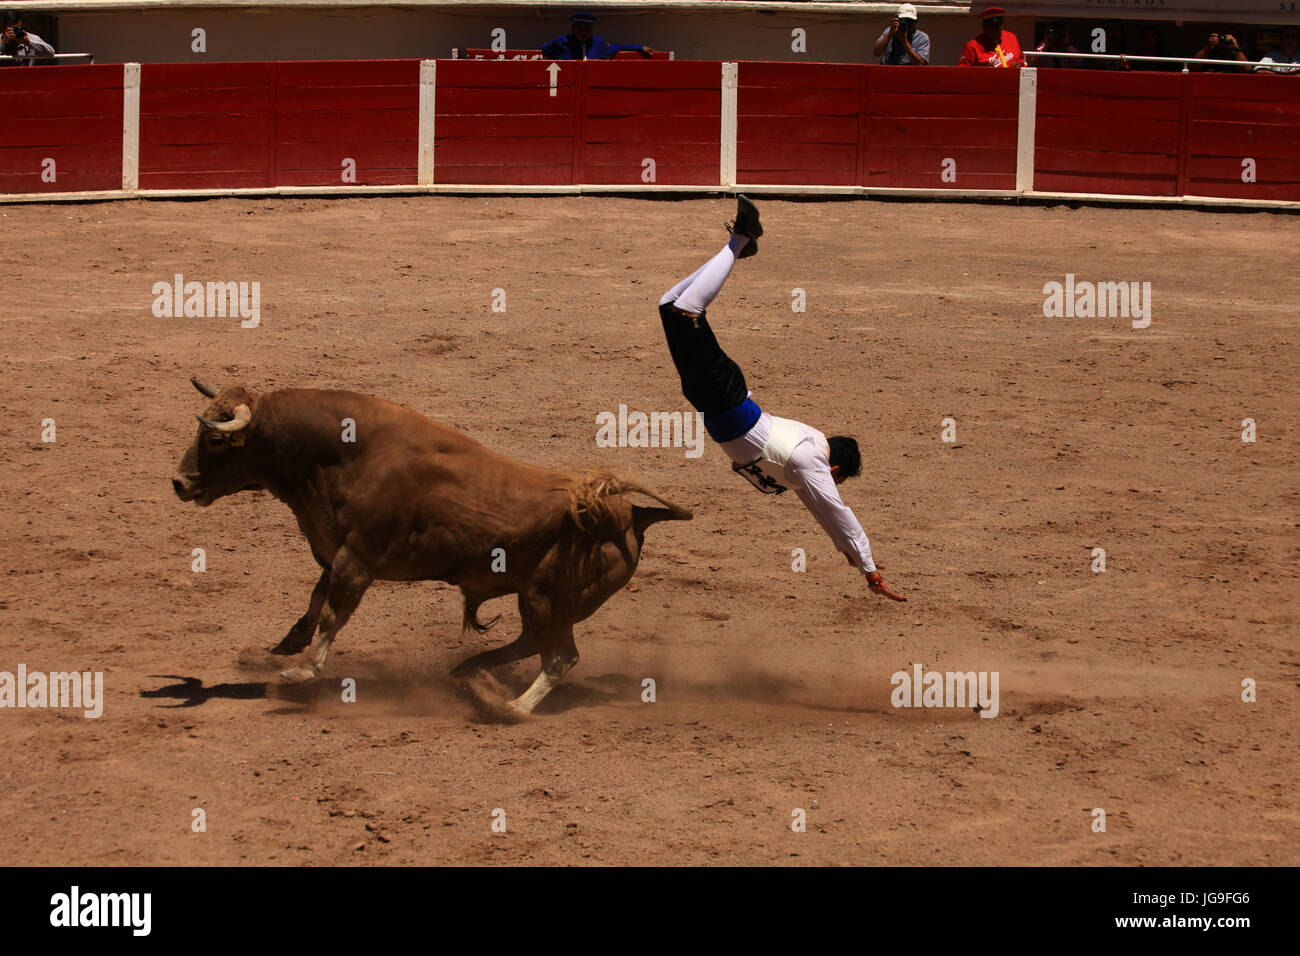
[1119, 690]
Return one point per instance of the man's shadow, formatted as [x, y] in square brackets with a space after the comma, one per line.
[191, 692]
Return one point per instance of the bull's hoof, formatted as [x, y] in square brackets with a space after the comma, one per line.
[299, 674]
[490, 697]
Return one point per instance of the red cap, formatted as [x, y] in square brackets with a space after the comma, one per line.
[992, 12]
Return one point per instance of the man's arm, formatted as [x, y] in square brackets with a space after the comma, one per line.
[919, 52]
[883, 40]
[816, 489]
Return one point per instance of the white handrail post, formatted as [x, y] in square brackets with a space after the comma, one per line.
[1026, 129]
[131, 126]
[428, 87]
[730, 82]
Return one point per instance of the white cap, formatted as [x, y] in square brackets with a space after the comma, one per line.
[907, 12]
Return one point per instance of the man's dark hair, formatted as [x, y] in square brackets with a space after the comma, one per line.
[10, 17]
[844, 452]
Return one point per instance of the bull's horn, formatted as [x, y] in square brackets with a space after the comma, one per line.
[243, 415]
[207, 390]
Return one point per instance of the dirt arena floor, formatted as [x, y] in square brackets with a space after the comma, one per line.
[1119, 690]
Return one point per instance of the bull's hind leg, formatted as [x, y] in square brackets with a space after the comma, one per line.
[557, 660]
[347, 583]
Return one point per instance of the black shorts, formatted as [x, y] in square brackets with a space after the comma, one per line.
[711, 381]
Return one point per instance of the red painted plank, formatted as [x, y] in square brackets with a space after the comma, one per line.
[1116, 135]
[958, 81]
[185, 101]
[319, 74]
[488, 152]
[652, 74]
[1067, 182]
[942, 105]
[332, 98]
[804, 76]
[329, 156]
[61, 78]
[50, 103]
[798, 129]
[1243, 139]
[1107, 84]
[209, 128]
[210, 179]
[509, 174]
[662, 153]
[1101, 163]
[62, 131]
[344, 125]
[504, 125]
[704, 174]
[206, 76]
[652, 129]
[797, 177]
[941, 133]
[886, 160]
[625, 101]
[461, 101]
[796, 102]
[68, 181]
[1101, 109]
[204, 157]
[833, 158]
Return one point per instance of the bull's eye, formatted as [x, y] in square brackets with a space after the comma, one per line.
[216, 438]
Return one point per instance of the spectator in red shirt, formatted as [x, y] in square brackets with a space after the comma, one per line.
[994, 46]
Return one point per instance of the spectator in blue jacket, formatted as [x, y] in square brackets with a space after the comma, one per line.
[581, 44]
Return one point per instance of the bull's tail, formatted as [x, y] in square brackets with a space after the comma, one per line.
[588, 504]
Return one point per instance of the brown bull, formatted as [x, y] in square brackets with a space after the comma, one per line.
[408, 499]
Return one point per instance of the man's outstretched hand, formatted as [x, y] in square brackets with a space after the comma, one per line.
[877, 584]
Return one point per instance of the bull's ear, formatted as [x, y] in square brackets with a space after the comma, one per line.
[207, 390]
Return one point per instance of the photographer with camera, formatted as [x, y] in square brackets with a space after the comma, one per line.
[1220, 50]
[19, 43]
[902, 44]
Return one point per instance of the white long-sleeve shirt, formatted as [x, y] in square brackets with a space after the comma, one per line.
[808, 473]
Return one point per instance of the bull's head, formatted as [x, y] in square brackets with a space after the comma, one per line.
[217, 463]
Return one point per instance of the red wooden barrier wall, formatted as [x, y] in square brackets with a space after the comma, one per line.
[670, 113]
[258, 125]
[367, 111]
[207, 125]
[1234, 118]
[71, 115]
[916, 120]
[1115, 133]
[497, 122]
[799, 123]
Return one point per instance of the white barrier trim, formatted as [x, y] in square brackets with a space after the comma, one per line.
[131, 126]
[860, 192]
[730, 85]
[428, 92]
[1026, 129]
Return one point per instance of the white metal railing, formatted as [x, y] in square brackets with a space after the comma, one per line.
[24, 59]
[1184, 60]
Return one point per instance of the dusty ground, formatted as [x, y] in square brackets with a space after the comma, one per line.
[1120, 690]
